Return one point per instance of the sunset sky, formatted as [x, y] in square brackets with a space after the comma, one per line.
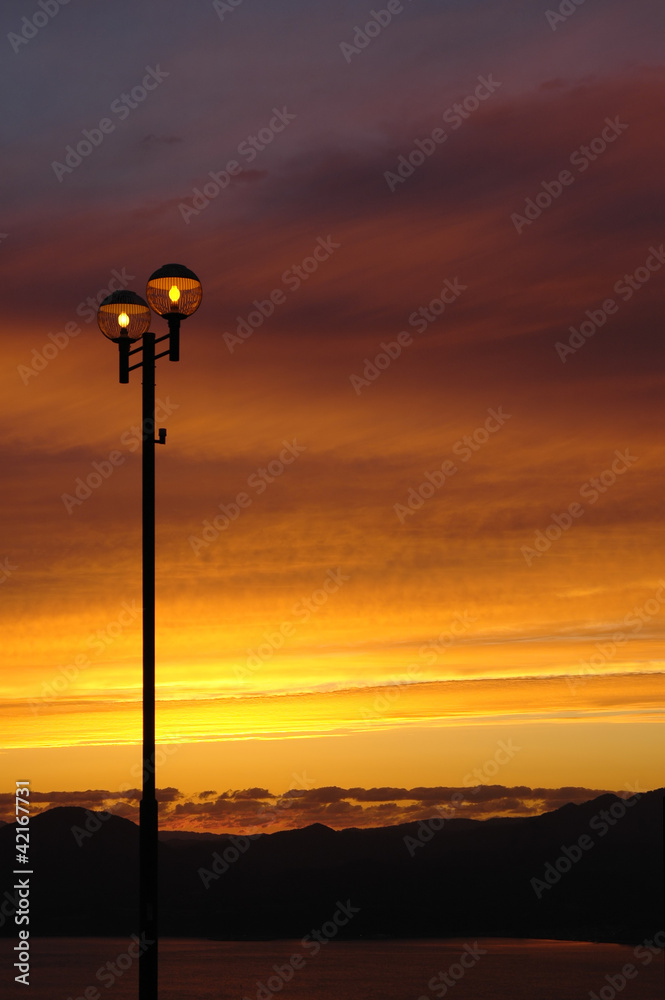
[459, 215]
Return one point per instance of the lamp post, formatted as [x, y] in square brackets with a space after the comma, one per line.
[174, 292]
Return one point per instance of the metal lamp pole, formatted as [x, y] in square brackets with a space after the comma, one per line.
[148, 822]
[174, 292]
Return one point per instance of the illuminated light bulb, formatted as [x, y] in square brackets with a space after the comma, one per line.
[123, 319]
[174, 293]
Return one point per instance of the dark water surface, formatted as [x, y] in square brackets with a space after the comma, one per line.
[490, 969]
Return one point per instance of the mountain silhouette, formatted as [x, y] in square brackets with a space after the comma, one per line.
[568, 874]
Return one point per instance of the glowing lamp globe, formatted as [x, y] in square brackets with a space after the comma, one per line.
[123, 316]
[174, 290]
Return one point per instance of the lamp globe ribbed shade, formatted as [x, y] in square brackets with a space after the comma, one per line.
[174, 290]
[123, 316]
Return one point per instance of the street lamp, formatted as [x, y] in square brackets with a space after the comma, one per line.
[174, 292]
